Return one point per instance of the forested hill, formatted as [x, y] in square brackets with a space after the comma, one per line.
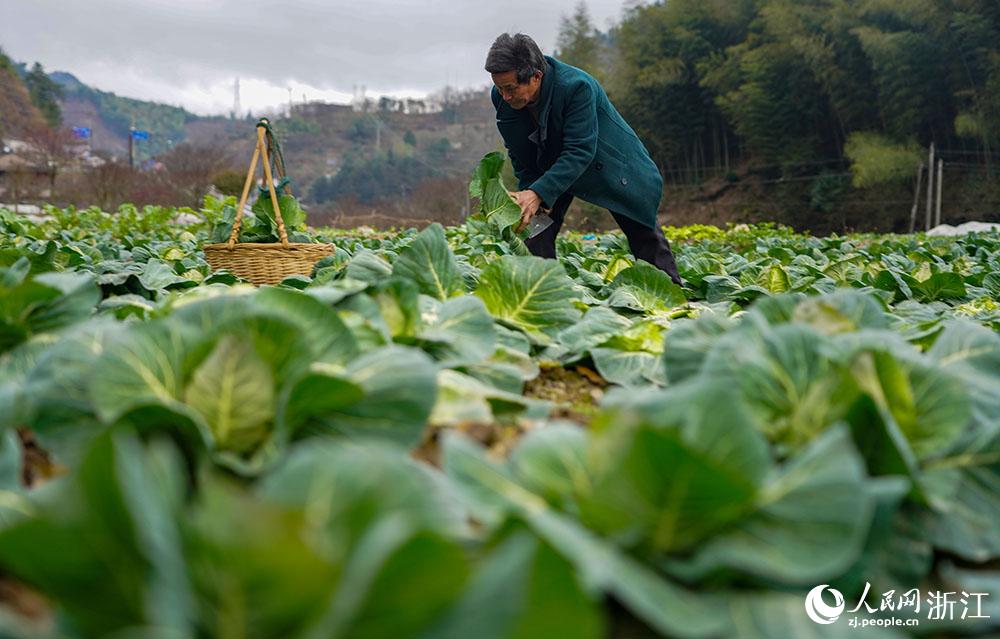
[835, 94]
[17, 112]
[116, 113]
[61, 99]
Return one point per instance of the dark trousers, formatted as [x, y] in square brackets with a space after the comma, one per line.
[646, 243]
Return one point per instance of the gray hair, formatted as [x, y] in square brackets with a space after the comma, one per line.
[517, 53]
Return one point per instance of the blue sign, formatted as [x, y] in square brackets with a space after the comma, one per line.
[81, 132]
[140, 135]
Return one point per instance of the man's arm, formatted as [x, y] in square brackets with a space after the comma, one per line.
[578, 148]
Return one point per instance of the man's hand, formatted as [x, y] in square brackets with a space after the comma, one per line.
[529, 201]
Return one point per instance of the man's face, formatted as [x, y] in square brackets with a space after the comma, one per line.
[514, 94]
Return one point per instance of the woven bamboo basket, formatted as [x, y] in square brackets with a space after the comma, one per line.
[263, 264]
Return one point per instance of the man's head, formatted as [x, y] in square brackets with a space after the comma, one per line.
[516, 64]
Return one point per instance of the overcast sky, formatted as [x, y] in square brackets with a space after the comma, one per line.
[188, 52]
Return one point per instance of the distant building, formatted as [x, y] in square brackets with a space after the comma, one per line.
[317, 108]
[21, 178]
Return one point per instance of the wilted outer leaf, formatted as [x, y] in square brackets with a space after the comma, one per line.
[233, 389]
[529, 293]
[429, 262]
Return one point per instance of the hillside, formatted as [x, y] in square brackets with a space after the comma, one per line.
[17, 113]
[386, 167]
[110, 116]
[404, 166]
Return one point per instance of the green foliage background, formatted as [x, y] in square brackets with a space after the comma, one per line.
[787, 87]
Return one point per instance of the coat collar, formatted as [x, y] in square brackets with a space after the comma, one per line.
[545, 95]
[545, 103]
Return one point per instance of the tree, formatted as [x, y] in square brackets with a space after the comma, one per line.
[190, 170]
[229, 182]
[45, 94]
[664, 51]
[579, 43]
[363, 129]
[878, 160]
[910, 83]
[975, 33]
[366, 180]
[50, 147]
[778, 129]
[438, 150]
[410, 138]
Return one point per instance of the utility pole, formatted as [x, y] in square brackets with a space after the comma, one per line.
[940, 180]
[930, 189]
[131, 145]
[236, 99]
[916, 198]
[378, 134]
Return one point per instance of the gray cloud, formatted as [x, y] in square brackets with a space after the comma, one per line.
[187, 48]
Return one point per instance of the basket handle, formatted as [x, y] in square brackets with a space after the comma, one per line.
[259, 150]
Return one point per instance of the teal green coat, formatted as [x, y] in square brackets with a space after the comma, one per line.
[581, 146]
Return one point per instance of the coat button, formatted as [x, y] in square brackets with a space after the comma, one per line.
[599, 166]
[624, 181]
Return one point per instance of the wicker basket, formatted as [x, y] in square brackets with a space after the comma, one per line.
[263, 264]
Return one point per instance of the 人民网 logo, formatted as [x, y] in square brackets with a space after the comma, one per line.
[818, 610]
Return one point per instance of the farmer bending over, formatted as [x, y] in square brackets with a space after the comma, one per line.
[566, 140]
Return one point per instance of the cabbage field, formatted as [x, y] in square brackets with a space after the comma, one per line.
[437, 436]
